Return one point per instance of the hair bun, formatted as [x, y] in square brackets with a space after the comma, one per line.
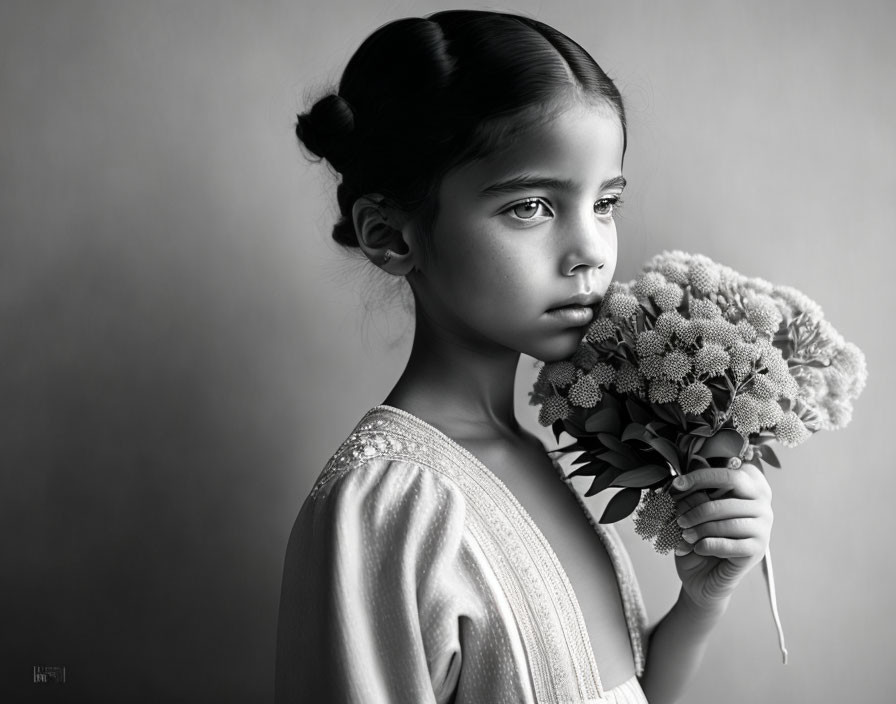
[326, 130]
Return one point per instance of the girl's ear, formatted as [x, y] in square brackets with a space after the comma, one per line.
[381, 235]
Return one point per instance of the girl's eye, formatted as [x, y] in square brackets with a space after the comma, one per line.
[529, 209]
[606, 206]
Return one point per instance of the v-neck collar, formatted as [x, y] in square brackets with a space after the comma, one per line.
[485, 489]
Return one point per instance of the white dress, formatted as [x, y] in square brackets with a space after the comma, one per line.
[413, 575]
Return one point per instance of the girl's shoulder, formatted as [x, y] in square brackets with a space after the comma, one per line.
[383, 442]
[389, 442]
[381, 499]
[392, 467]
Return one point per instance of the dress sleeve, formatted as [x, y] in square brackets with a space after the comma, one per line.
[367, 609]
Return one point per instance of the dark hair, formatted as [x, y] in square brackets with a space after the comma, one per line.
[423, 95]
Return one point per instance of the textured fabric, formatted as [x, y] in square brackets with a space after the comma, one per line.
[629, 692]
[413, 575]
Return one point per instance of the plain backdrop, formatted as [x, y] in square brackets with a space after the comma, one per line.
[182, 347]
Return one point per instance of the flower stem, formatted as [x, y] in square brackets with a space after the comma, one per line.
[770, 583]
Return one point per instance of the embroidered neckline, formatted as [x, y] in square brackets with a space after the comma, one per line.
[387, 431]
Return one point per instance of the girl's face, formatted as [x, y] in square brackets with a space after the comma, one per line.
[525, 241]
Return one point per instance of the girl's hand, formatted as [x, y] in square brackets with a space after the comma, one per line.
[726, 531]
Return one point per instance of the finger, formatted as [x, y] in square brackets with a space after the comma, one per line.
[719, 510]
[685, 503]
[727, 548]
[735, 482]
[757, 476]
[683, 548]
[730, 528]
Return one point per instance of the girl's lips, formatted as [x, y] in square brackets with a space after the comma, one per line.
[574, 314]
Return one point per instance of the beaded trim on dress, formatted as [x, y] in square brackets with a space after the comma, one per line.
[516, 546]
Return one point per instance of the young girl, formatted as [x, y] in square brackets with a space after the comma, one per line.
[441, 556]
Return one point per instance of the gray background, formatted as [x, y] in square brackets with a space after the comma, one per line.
[182, 347]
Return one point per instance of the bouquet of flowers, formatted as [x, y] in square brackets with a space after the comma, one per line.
[694, 365]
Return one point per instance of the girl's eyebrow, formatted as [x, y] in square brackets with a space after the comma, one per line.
[528, 182]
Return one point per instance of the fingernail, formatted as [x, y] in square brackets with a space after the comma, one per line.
[689, 535]
[681, 482]
[681, 551]
[680, 521]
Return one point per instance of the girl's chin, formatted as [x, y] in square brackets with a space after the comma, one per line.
[560, 347]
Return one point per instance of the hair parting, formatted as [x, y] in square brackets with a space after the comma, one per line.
[422, 96]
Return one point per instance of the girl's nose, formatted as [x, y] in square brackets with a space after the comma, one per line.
[587, 245]
[573, 267]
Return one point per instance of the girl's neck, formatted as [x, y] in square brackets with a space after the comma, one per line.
[460, 388]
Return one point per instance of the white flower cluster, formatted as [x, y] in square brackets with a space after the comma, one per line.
[721, 345]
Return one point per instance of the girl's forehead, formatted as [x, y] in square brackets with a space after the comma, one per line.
[581, 144]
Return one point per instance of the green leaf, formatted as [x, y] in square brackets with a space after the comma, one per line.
[558, 427]
[642, 477]
[704, 431]
[656, 427]
[611, 442]
[665, 413]
[679, 414]
[573, 426]
[667, 450]
[621, 505]
[768, 454]
[619, 461]
[584, 458]
[755, 461]
[637, 412]
[568, 448]
[604, 421]
[726, 443]
[730, 384]
[698, 461]
[593, 469]
[689, 454]
[610, 401]
[635, 431]
[589, 470]
[602, 482]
